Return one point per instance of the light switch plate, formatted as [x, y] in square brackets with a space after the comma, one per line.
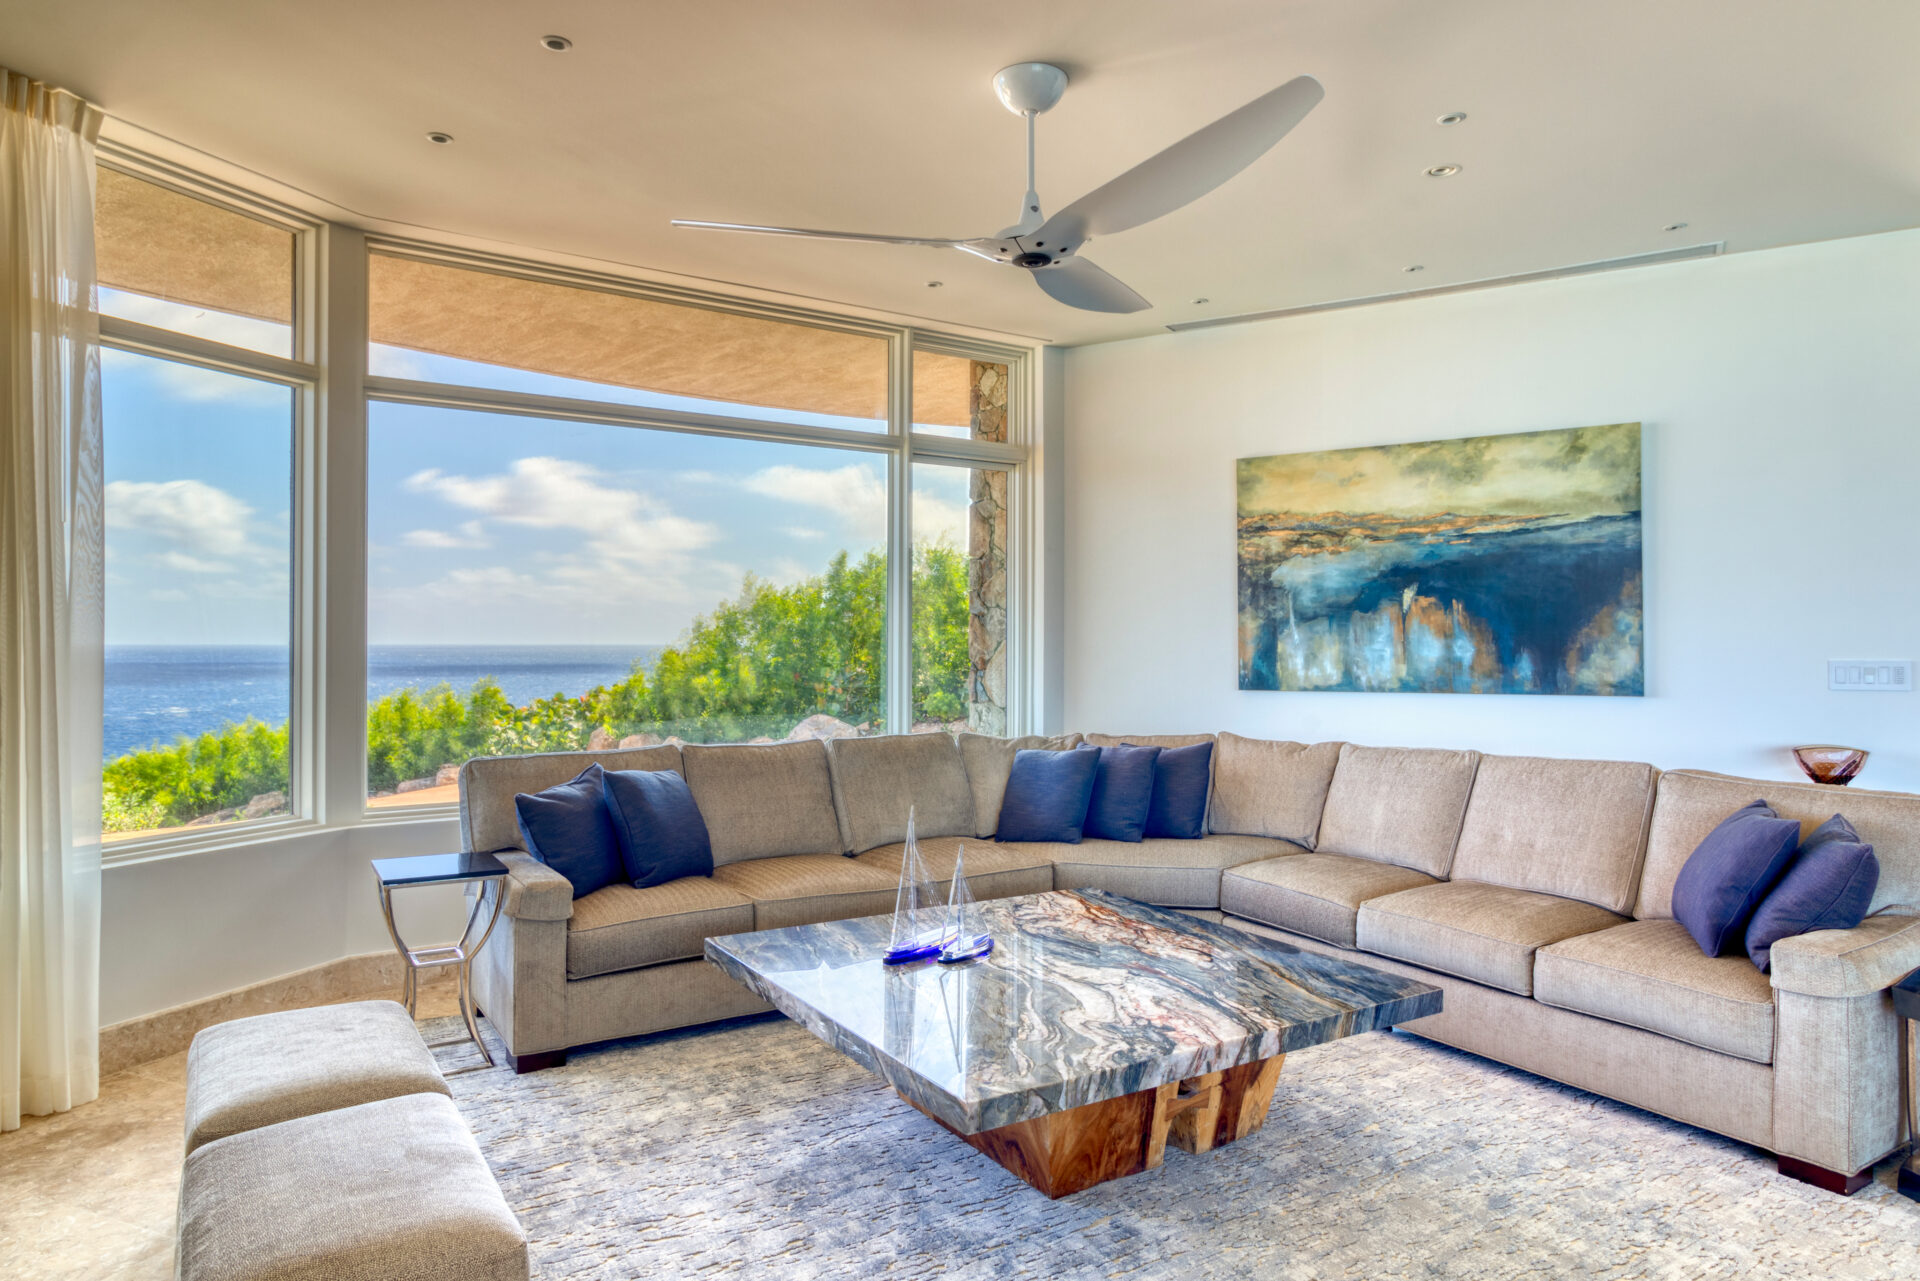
[1870, 675]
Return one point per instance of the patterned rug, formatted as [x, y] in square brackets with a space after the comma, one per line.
[751, 1149]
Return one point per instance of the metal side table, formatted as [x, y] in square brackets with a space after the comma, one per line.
[1906, 1004]
[443, 869]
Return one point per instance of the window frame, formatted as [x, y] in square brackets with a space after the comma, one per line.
[301, 375]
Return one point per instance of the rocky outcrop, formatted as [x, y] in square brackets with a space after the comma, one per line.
[446, 775]
[600, 740]
[641, 740]
[819, 725]
[264, 804]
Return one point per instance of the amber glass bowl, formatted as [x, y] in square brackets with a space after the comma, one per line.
[1826, 763]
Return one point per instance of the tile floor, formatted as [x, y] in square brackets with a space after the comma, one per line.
[90, 1193]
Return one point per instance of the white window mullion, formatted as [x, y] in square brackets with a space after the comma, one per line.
[337, 548]
[900, 535]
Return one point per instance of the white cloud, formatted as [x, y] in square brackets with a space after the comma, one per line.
[804, 534]
[191, 564]
[935, 520]
[200, 520]
[190, 382]
[858, 495]
[470, 536]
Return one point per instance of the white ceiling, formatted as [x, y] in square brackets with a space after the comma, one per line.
[1592, 125]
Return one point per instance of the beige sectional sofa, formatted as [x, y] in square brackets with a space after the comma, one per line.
[1535, 892]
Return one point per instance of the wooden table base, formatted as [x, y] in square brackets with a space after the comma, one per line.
[1066, 1152]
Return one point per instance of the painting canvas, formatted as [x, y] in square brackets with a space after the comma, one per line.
[1489, 565]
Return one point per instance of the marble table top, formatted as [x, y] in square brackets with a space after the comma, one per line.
[1086, 996]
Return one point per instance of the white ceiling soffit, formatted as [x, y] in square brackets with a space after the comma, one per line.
[1590, 128]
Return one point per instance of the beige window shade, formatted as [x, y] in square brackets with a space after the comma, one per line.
[623, 341]
[149, 240]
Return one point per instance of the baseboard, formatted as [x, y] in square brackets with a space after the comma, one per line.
[154, 1036]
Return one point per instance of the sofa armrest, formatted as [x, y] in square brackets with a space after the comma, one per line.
[1846, 963]
[535, 892]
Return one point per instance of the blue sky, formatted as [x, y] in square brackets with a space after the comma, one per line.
[488, 529]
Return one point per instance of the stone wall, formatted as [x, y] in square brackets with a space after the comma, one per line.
[987, 559]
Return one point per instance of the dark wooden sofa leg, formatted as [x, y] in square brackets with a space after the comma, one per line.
[525, 1063]
[1821, 1177]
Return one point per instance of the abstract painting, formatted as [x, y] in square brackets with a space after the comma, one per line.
[1489, 565]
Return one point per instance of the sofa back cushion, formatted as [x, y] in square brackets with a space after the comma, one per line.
[488, 784]
[875, 780]
[1575, 829]
[761, 800]
[1692, 802]
[989, 760]
[1399, 805]
[1262, 787]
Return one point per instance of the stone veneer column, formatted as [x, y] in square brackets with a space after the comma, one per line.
[987, 559]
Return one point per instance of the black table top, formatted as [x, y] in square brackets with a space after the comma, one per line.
[427, 869]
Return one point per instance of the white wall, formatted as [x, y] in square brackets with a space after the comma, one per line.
[1780, 392]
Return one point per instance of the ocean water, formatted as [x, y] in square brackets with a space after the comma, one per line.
[156, 693]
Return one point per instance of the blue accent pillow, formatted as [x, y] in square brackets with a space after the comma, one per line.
[1122, 791]
[1728, 874]
[1047, 795]
[1179, 807]
[568, 828]
[662, 835]
[1828, 886]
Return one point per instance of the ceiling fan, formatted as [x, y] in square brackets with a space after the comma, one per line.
[1049, 247]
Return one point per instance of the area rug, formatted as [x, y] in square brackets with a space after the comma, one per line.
[751, 1149]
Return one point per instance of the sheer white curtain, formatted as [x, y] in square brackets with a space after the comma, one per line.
[50, 604]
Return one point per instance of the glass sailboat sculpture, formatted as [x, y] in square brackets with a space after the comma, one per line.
[919, 919]
[964, 940]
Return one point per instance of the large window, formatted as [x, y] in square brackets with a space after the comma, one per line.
[199, 502]
[583, 511]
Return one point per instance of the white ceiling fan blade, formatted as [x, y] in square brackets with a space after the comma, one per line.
[1187, 170]
[1078, 283]
[817, 235]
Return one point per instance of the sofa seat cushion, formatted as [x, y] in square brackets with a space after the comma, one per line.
[1315, 894]
[274, 1067]
[390, 1191]
[623, 928]
[1650, 974]
[1487, 933]
[993, 870]
[806, 889]
[1163, 871]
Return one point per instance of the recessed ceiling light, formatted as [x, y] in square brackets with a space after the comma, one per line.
[1452, 118]
[555, 44]
[1443, 171]
[1416, 267]
[935, 284]
[1201, 301]
[1675, 226]
[439, 138]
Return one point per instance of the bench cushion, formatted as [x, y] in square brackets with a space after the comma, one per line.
[1316, 894]
[805, 889]
[1486, 933]
[1651, 974]
[877, 780]
[1692, 802]
[291, 1063]
[1398, 805]
[993, 870]
[989, 761]
[763, 799]
[623, 928]
[1572, 829]
[1268, 788]
[1161, 871]
[386, 1191]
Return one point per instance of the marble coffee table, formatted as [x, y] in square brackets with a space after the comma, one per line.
[1098, 1029]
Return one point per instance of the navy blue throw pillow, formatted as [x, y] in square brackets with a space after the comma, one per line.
[1728, 874]
[1179, 807]
[1047, 795]
[567, 827]
[1828, 886]
[662, 835]
[1122, 791]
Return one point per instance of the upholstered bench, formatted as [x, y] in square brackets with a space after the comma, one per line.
[389, 1191]
[294, 1063]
